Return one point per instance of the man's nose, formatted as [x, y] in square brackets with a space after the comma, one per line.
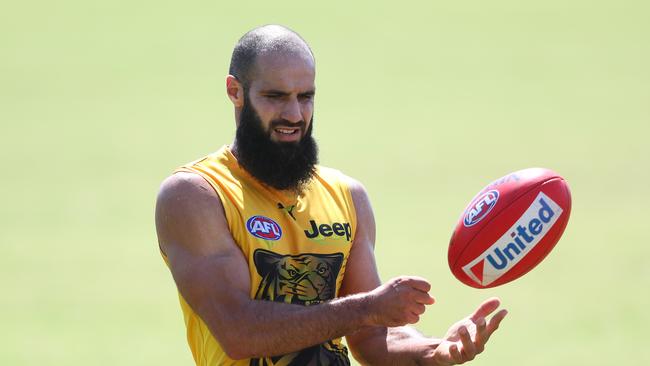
[292, 112]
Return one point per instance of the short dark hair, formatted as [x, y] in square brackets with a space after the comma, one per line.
[266, 38]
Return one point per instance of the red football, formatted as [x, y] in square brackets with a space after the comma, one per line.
[509, 227]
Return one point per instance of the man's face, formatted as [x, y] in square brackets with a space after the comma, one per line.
[274, 141]
[281, 91]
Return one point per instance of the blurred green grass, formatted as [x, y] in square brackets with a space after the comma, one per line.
[424, 102]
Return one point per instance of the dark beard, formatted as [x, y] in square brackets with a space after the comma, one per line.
[281, 165]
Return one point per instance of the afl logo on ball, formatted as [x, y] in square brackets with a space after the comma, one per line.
[264, 228]
[480, 207]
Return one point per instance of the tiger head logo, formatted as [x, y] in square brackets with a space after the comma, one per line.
[304, 279]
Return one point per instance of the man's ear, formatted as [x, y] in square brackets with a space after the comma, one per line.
[235, 91]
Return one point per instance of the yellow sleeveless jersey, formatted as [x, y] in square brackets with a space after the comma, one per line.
[296, 247]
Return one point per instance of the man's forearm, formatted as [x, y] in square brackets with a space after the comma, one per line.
[266, 328]
[399, 346]
[407, 346]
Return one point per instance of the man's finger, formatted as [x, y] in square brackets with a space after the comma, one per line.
[469, 350]
[494, 322]
[455, 354]
[418, 309]
[481, 334]
[423, 297]
[486, 308]
[417, 283]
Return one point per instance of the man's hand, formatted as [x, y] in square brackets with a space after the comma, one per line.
[467, 337]
[399, 301]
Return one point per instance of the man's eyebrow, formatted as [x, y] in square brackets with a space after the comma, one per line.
[274, 91]
[282, 92]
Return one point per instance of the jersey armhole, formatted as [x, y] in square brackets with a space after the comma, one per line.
[347, 194]
[224, 202]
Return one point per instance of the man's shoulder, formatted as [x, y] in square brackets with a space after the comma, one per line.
[184, 185]
[355, 187]
[218, 166]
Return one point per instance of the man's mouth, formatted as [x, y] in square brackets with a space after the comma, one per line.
[286, 131]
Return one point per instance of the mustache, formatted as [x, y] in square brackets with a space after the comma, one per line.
[284, 123]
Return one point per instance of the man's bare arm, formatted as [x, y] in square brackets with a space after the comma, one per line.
[212, 275]
[374, 345]
[381, 345]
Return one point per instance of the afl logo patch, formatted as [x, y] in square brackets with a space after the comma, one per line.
[480, 207]
[264, 228]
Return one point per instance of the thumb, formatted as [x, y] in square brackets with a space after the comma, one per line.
[415, 282]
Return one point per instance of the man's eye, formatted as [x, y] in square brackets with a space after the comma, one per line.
[274, 96]
[292, 273]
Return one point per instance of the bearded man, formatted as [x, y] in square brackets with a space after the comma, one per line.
[272, 254]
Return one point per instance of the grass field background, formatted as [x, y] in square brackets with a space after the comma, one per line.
[424, 102]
